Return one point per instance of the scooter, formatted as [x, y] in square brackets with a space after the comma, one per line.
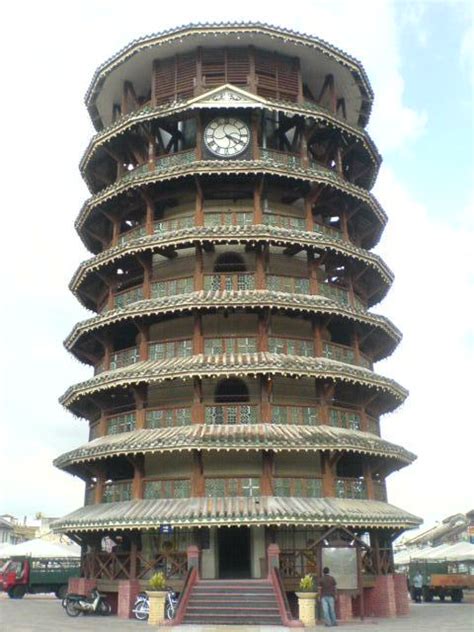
[141, 607]
[74, 604]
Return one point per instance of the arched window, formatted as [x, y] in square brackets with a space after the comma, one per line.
[229, 262]
[231, 390]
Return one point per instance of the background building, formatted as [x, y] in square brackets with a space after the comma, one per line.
[234, 403]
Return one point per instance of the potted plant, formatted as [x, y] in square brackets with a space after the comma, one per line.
[157, 596]
[307, 601]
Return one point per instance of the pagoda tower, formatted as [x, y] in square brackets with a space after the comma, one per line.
[234, 410]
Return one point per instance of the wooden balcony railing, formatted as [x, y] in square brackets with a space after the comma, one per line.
[117, 491]
[284, 221]
[122, 358]
[299, 487]
[167, 488]
[380, 490]
[232, 487]
[174, 223]
[172, 287]
[330, 231]
[126, 422]
[231, 414]
[179, 348]
[373, 425]
[344, 418]
[227, 217]
[291, 346]
[114, 566]
[344, 353]
[289, 284]
[296, 563]
[126, 297]
[133, 233]
[295, 415]
[351, 488]
[229, 281]
[168, 417]
[230, 344]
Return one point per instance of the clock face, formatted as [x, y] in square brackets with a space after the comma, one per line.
[226, 136]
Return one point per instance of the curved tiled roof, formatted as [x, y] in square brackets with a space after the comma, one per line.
[235, 437]
[235, 365]
[317, 175]
[225, 299]
[236, 234]
[262, 510]
[178, 34]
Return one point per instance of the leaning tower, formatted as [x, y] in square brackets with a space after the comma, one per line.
[234, 410]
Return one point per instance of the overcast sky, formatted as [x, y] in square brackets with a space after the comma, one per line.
[418, 56]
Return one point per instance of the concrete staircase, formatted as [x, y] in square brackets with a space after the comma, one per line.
[233, 602]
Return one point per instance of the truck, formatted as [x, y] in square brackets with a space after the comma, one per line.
[438, 581]
[22, 575]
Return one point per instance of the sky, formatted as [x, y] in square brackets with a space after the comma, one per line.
[419, 58]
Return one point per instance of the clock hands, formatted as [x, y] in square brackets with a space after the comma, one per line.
[236, 139]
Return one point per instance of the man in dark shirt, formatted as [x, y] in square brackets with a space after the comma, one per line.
[327, 585]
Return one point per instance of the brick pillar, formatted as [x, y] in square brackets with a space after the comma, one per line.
[81, 585]
[273, 557]
[128, 589]
[402, 603]
[381, 598]
[344, 606]
[194, 558]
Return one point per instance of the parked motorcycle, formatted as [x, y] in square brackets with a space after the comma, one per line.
[141, 607]
[74, 604]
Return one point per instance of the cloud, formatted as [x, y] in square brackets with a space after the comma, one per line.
[431, 301]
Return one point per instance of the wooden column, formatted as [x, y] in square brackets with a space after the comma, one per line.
[133, 556]
[260, 277]
[350, 286]
[146, 264]
[328, 475]
[144, 338]
[140, 396]
[252, 79]
[355, 345]
[309, 220]
[265, 398]
[100, 484]
[367, 471]
[151, 153]
[317, 340]
[149, 216]
[312, 273]
[102, 424]
[199, 133]
[138, 476]
[304, 158]
[197, 413]
[198, 88]
[257, 202]
[345, 225]
[255, 124]
[263, 327]
[108, 350]
[199, 269]
[198, 483]
[266, 484]
[115, 230]
[198, 340]
[199, 206]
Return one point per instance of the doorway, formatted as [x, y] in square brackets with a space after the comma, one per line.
[234, 552]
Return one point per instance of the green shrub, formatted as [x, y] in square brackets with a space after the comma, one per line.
[157, 581]
[307, 583]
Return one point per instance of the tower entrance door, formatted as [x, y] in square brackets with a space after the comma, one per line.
[234, 552]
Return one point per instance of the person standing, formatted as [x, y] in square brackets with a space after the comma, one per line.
[327, 585]
[417, 586]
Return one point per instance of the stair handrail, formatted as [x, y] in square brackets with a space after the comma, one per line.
[282, 600]
[184, 595]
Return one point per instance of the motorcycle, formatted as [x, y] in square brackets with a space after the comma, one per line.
[74, 604]
[141, 607]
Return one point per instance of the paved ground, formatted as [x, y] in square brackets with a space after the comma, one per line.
[45, 614]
